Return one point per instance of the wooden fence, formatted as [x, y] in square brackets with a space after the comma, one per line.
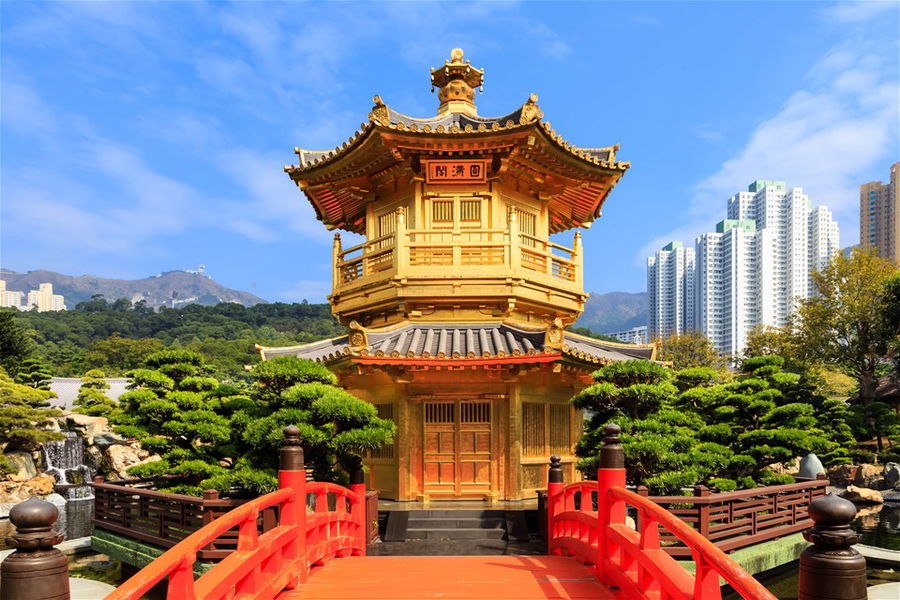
[733, 520]
[164, 519]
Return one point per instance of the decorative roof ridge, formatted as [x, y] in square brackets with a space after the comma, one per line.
[585, 153]
[322, 156]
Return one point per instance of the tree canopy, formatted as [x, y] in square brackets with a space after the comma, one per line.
[118, 336]
[687, 427]
[691, 349]
[226, 436]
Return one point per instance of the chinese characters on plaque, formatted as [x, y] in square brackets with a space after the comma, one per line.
[455, 171]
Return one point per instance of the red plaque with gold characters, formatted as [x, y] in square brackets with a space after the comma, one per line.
[455, 171]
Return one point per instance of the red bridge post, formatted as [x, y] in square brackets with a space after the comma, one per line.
[610, 474]
[554, 487]
[358, 509]
[292, 474]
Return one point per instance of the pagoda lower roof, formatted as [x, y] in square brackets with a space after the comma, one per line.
[460, 343]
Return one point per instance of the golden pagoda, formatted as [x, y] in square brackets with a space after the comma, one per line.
[457, 302]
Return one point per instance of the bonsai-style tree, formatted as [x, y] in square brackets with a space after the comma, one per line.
[336, 427]
[215, 436]
[23, 415]
[91, 399]
[168, 409]
[35, 374]
[684, 428]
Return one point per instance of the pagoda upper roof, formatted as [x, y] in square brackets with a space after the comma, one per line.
[574, 180]
[460, 343]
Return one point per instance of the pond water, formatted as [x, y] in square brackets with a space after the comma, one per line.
[880, 527]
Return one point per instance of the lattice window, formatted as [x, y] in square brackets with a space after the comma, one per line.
[546, 430]
[470, 212]
[440, 412]
[385, 411]
[387, 223]
[475, 412]
[527, 221]
[560, 430]
[534, 430]
[442, 211]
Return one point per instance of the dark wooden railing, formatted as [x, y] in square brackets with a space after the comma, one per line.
[164, 519]
[733, 520]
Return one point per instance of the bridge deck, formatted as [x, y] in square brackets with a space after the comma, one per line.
[452, 578]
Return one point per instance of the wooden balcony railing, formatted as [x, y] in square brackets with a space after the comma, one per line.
[415, 252]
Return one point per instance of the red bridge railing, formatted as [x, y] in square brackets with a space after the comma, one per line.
[317, 522]
[587, 520]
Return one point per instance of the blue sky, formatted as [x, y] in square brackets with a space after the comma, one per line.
[142, 137]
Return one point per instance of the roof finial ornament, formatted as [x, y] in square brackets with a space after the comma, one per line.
[456, 82]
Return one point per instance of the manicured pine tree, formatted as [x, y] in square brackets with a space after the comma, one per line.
[35, 374]
[91, 399]
[23, 416]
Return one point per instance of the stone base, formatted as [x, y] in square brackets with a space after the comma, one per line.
[132, 552]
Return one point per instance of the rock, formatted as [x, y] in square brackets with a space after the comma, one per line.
[811, 466]
[891, 475]
[93, 458]
[867, 476]
[118, 458]
[891, 496]
[22, 465]
[861, 495]
[105, 440]
[39, 486]
[842, 475]
[87, 426]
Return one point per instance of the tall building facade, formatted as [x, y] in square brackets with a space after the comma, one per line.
[879, 215]
[9, 298]
[670, 288]
[753, 269]
[42, 298]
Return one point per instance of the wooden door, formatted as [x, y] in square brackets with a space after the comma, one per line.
[440, 448]
[457, 453]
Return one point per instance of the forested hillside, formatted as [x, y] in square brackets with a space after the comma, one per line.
[116, 336]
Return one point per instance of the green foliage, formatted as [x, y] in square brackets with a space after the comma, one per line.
[226, 436]
[15, 345]
[91, 400]
[118, 336]
[592, 334]
[700, 430]
[24, 415]
[34, 373]
[691, 349]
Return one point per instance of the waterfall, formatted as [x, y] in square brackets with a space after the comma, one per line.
[65, 461]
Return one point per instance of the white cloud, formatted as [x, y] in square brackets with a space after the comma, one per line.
[824, 138]
[860, 11]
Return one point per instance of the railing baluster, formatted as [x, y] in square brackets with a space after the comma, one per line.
[181, 580]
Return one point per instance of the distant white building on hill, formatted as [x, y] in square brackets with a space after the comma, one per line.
[635, 335]
[42, 298]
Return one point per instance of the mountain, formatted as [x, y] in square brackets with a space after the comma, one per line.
[614, 311]
[172, 288]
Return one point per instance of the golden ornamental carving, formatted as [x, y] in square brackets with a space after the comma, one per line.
[553, 337]
[530, 110]
[357, 340]
[380, 114]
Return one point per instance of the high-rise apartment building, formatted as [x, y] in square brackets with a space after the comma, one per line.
[9, 298]
[670, 288]
[879, 215]
[44, 299]
[756, 265]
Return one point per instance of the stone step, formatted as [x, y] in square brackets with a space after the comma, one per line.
[451, 523]
[459, 514]
[469, 533]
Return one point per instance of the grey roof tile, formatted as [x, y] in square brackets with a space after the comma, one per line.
[467, 340]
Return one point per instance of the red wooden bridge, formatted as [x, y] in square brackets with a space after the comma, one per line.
[318, 551]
